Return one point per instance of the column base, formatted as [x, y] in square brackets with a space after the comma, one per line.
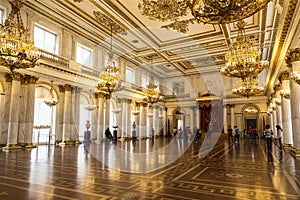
[30, 146]
[78, 142]
[287, 145]
[295, 152]
[122, 139]
[12, 147]
[62, 144]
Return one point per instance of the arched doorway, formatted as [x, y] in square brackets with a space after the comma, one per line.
[44, 116]
[250, 113]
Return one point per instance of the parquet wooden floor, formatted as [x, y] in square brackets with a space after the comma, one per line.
[160, 168]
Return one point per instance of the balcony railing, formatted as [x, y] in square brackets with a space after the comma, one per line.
[50, 57]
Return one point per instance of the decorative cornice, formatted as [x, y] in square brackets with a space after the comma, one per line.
[284, 76]
[292, 56]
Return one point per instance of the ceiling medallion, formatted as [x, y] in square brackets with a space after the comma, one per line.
[205, 11]
[17, 50]
[241, 60]
[248, 87]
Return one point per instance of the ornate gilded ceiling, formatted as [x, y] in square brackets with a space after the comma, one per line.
[203, 46]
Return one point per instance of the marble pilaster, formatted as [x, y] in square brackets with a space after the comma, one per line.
[225, 125]
[149, 121]
[6, 106]
[76, 114]
[293, 62]
[68, 115]
[30, 111]
[60, 115]
[128, 118]
[107, 113]
[14, 111]
[274, 121]
[232, 120]
[22, 112]
[143, 118]
[100, 130]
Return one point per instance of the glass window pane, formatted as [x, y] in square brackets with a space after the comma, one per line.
[145, 80]
[45, 39]
[130, 75]
[84, 55]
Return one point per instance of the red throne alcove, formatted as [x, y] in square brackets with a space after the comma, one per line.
[211, 112]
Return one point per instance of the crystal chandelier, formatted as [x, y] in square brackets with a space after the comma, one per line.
[16, 48]
[225, 11]
[241, 60]
[110, 76]
[206, 11]
[152, 94]
[51, 100]
[248, 87]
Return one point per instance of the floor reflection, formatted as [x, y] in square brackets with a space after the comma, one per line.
[160, 168]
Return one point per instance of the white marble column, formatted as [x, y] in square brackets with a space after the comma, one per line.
[136, 116]
[76, 113]
[94, 118]
[197, 114]
[286, 111]
[100, 123]
[68, 115]
[295, 112]
[128, 118]
[278, 113]
[155, 119]
[143, 117]
[274, 121]
[225, 125]
[164, 121]
[123, 116]
[6, 105]
[119, 119]
[14, 111]
[107, 113]
[149, 121]
[22, 112]
[30, 111]
[232, 120]
[60, 107]
[2, 114]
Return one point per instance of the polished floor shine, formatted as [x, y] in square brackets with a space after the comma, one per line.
[162, 168]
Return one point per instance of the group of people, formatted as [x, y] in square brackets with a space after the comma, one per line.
[187, 132]
[234, 135]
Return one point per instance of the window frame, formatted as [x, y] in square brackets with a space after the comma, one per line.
[91, 59]
[49, 31]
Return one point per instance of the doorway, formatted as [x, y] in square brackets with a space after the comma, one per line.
[251, 122]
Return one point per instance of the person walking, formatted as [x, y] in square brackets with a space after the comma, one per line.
[268, 133]
[230, 135]
[280, 136]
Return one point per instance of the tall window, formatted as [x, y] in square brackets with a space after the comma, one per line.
[130, 75]
[84, 55]
[45, 39]
[156, 82]
[145, 80]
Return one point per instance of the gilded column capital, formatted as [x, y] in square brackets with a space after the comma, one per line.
[32, 79]
[69, 88]
[8, 77]
[292, 56]
[13, 76]
[284, 76]
[25, 80]
[61, 88]
[99, 95]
